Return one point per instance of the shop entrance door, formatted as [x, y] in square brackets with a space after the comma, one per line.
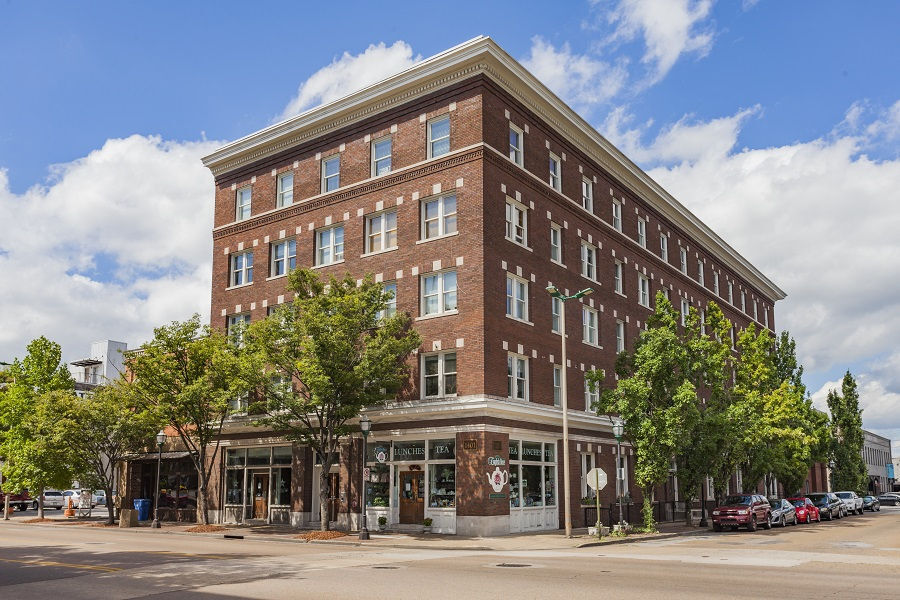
[412, 497]
[334, 496]
[260, 495]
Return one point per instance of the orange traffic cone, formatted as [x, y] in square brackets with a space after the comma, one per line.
[70, 512]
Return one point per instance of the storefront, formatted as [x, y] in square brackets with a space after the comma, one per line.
[258, 484]
[532, 486]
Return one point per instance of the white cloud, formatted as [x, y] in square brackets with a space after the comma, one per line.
[669, 29]
[350, 73]
[817, 216]
[880, 406]
[578, 79]
[116, 243]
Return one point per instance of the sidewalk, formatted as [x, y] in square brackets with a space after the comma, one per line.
[538, 540]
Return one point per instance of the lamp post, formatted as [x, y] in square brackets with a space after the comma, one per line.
[704, 492]
[365, 425]
[160, 440]
[831, 466]
[551, 289]
[618, 430]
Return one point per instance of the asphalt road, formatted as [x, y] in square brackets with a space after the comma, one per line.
[855, 557]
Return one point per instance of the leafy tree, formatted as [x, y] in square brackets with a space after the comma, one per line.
[847, 438]
[186, 377]
[99, 431]
[339, 356]
[654, 398]
[33, 458]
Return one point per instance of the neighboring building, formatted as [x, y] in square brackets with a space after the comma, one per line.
[876, 453]
[105, 363]
[893, 470]
[466, 187]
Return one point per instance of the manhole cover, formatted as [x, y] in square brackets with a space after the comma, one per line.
[513, 565]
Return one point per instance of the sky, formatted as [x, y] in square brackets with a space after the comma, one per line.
[776, 123]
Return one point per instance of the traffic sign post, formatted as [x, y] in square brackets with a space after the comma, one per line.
[596, 479]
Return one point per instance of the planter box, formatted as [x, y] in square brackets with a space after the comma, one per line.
[592, 531]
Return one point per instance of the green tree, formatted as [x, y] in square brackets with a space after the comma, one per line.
[98, 432]
[847, 438]
[187, 377]
[654, 399]
[326, 356]
[34, 459]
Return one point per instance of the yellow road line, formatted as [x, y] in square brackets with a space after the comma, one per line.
[184, 554]
[51, 563]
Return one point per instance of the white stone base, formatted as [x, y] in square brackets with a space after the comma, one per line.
[482, 526]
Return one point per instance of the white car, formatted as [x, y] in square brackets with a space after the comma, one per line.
[52, 499]
[99, 497]
[852, 502]
[75, 495]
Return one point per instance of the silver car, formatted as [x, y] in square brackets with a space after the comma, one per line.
[783, 512]
[52, 499]
[852, 502]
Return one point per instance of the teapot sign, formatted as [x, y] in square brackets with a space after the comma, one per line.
[498, 479]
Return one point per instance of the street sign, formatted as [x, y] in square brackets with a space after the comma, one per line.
[596, 478]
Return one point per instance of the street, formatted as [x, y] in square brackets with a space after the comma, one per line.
[858, 555]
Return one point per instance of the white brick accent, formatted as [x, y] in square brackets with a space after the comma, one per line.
[253, 306]
[253, 179]
[274, 172]
[342, 147]
[414, 271]
[281, 234]
[459, 261]
[379, 277]
[435, 265]
[359, 212]
[240, 246]
[520, 349]
[436, 188]
[394, 128]
[436, 345]
[237, 308]
[224, 312]
[453, 106]
[399, 274]
[459, 182]
[506, 345]
[281, 299]
[460, 342]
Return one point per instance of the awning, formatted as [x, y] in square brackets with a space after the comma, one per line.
[154, 455]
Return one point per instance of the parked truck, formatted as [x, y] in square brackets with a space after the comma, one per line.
[18, 501]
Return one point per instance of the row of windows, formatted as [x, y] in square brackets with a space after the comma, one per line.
[438, 144]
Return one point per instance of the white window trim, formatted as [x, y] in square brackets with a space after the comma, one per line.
[441, 309]
[685, 310]
[286, 258]
[554, 301]
[374, 169]
[550, 179]
[587, 200]
[512, 207]
[682, 254]
[620, 336]
[244, 318]
[430, 141]
[557, 384]
[441, 218]
[368, 232]
[618, 275]
[585, 312]
[237, 204]
[664, 247]
[324, 179]
[516, 279]
[716, 284]
[559, 237]
[515, 387]
[280, 193]
[701, 279]
[617, 215]
[441, 375]
[521, 148]
[333, 261]
[584, 247]
[244, 270]
[590, 396]
[642, 281]
[642, 232]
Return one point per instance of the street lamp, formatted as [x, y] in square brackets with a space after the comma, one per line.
[365, 426]
[618, 429]
[160, 440]
[831, 466]
[551, 289]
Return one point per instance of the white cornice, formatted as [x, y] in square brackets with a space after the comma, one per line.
[482, 55]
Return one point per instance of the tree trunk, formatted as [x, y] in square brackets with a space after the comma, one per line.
[688, 512]
[110, 508]
[323, 497]
[202, 514]
[6, 507]
[41, 505]
[649, 522]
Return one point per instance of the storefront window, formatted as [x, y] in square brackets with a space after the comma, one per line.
[378, 487]
[550, 485]
[531, 451]
[531, 485]
[258, 456]
[281, 486]
[442, 449]
[442, 483]
[513, 449]
[409, 450]
[549, 452]
[514, 500]
[235, 457]
[281, 455]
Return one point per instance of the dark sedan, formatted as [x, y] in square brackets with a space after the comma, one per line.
[871, 503]
[783, 512]
[889, 499]
[830, 506]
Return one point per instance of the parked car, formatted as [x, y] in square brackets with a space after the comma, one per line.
[99, 498]
[18, 501]
[743, 510]
[783, 512]
[52, 499]
[852, 502]
[806, 511]
[871, 503]
[75, 495]
[889, 499]
[829, 505]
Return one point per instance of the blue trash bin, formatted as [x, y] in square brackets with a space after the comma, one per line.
[142, 507]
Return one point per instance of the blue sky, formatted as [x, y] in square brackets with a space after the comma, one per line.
[778, 123]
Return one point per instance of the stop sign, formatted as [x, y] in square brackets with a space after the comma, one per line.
[596, 478]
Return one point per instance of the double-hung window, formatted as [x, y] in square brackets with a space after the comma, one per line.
[439, 374]
[516, 153]
[642, 232]
[683, 254]
[241, 269]
[589, 261]
[685, 309]
[589, 326]
[516, 223]
[235, 325]
[664, 247]
[557, 385]
[439, 136]
[766, 317]
[587, 194]
[330, 245]
[284, 257]
[617, 215]
[555, 172]
[331, 173]
[381, 232]
[556, 307]
[556, 243]
[439, 293]
[700, 277]
[743, 302]
[516, 297]
[715, 283]
[591, 394]
[438, 217]
[643, 290]
[285, 191]
[731, 293]
[242, 204]
[617, 276]
[391, 308]
[755, 312]
[517, 377]
[381, 156]
[620, 336]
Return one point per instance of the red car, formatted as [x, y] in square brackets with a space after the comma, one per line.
[743, 510]
[807, 512]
